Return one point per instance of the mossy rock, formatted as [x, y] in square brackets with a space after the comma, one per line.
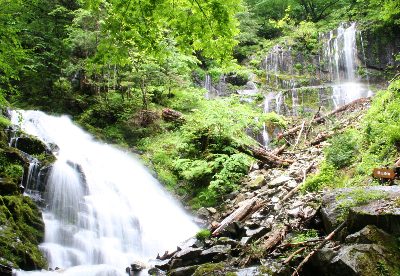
[8, 187]
[31, 145]
[213, 269]
[21, 231]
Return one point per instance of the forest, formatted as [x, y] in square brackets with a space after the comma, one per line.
[241, 109]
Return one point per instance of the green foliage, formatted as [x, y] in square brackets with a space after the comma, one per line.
[273, 119]
[381, 130]
[304, 236]
[326, 177]
[4, 122]
[342, 150]
[203, 234]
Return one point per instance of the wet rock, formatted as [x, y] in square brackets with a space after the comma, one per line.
[375, 213]
[188, 253]
[256, 233]
[31, 145]
[183, 271]
[280, 180]
[156, 272]
[137, 266]
[212, 210]
[5, 270]
[216, 253]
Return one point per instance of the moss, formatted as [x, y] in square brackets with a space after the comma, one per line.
[21, 231]
[356, 197]
[210, 269]
[203, 234]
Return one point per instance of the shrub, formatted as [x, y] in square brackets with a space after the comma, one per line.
[325, 177]
[342, 150]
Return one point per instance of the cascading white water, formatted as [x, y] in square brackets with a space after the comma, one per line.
[343, 47]
[104, 209]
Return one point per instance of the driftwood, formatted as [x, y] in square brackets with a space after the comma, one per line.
[276, 236]
[322, 244]
[265, 156]
[237, 215]
[170, 115]
[295, 190]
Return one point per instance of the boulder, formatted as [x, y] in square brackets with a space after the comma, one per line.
[8, 187]
[357, 260]
[370, 251]
[183, 271]
[137, 266]
[31, 145]
[256, 183]
[279, 181]
[369, 205]
[215, 253]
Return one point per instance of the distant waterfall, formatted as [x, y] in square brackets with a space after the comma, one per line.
[337, 84]
[103, 208]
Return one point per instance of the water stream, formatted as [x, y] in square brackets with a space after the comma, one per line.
[103, 210]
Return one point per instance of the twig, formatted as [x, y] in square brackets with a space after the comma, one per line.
[322, 244]
[300, 243]
[298, 251]
[298, 137]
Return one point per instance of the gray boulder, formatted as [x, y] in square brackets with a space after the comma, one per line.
[375, 205]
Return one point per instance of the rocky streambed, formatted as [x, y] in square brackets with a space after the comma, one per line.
[272, 227]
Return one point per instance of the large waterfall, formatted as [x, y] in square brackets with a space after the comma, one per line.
[103, 208]
[336, 81]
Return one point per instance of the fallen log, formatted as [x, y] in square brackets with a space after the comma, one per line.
[320, 119]
[237, 215]
[265, 156]
[279, 150]
[321, 137]
[274, 238]
[322, 244]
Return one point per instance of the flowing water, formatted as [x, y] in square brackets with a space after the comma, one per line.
[103, 210]
[336, 85]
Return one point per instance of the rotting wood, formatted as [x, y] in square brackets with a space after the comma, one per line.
[322, 244]
[275, 237]
[237, 215]
[299, 136]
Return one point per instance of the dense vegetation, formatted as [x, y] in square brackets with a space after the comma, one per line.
[114, 65]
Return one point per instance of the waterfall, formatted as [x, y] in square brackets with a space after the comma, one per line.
[103, 208]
